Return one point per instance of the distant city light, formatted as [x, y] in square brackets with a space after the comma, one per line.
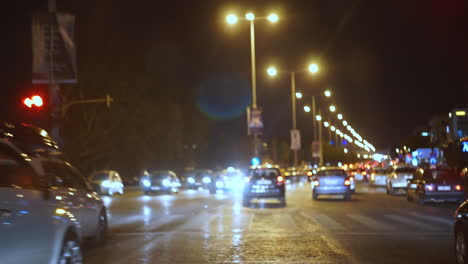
[313, 68]
[345, 123]
[298, 95]
[232, 19]
[250, 16]
[425, 134]
[460, 113]
[327, 93]
[307, 108]
[332, 108]
[273, 18]
[340, 116]
[318, 117]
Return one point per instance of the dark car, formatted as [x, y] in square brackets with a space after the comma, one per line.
[198, 179]
[160, 181]
[433, 185]
[264, 183]
[331, 181]
[461, 233]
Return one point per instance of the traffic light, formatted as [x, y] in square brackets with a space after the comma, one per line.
[34, 101]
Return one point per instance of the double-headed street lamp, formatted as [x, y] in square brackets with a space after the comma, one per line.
[233, 19]
[313, 69]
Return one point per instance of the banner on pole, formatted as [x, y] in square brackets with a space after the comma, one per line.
[315, 149]
[54, 48]
[255, 122]
[295, 139]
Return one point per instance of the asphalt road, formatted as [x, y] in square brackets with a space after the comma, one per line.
[196, 227]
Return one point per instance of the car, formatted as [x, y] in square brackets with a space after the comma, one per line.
[397, 178]
[48, 208]
[460, 231]
[435, 185]
[160, 181]
[106, 182]
[358, 174]
[378, 177]
[261, 182]
[228, 180]
[198, 179]
[331, 181]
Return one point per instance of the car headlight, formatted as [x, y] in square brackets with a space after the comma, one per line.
[219, 185]
[106, 184]
[206, 179]
[146, 183]
[191, 180]
[166, 182]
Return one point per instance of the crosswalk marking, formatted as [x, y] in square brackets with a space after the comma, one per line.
[371, 223]
[286, 221]
[326, 221]
[410, 221]
[433, 218]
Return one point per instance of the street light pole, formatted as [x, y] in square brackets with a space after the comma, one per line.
[320, 140]
[293, 103]
[254, 81]
[314, 130]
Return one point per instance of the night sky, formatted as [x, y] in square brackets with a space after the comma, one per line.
[392, 65]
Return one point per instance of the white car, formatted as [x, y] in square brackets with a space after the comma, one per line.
[378, 177]
[106, 182]
[35, 227]
[397, 178]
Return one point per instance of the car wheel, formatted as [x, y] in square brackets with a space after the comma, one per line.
[71, 251]
[408, 197]
[347, 197]
[283, 201]
[419, 199]
[314, 196]
[460, 248]
[101, 231]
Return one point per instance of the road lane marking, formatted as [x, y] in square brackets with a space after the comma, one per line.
[200, 222]
[440, 220]
[285, 221]
[325, 221]
[369, 222]
[409, 221]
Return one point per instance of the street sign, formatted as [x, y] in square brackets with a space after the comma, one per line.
[295, 139]
[255, 122]
[316, 149]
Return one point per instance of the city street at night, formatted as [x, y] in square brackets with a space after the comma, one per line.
[196, 227]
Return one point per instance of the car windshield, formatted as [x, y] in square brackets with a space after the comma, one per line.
[331, 173]
[159, 175]
[405, 170]
[100, 176]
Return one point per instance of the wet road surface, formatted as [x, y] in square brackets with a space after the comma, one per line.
[196, 227]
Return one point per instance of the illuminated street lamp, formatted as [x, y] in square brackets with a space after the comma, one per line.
[332, 108]
[318, 117]
[298, 95]
[273, 18]
[272, 71]
[333, 128]
[232, 19]
[306, 108]
[326, 124]
[345, 150]
[313, 68]
[327, 93]
[345, 123]
[340, 116]
[250, 16]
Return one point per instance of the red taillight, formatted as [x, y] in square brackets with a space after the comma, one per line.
[458, 187]
[280, 178]
[347, 182]
[364, 173]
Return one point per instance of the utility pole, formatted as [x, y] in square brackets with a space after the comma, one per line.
[293, 102]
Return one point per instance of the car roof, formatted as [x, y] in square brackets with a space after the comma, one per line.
[328, 168]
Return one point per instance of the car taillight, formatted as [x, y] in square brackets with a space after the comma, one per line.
[372, 176]
[353, 173]
[347, 182]
[458, 187]
[351, 178]
[364, 173]
[315, 182]
[429, 187]
[280, 178]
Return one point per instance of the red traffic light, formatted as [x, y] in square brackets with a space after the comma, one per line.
[33, 101]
